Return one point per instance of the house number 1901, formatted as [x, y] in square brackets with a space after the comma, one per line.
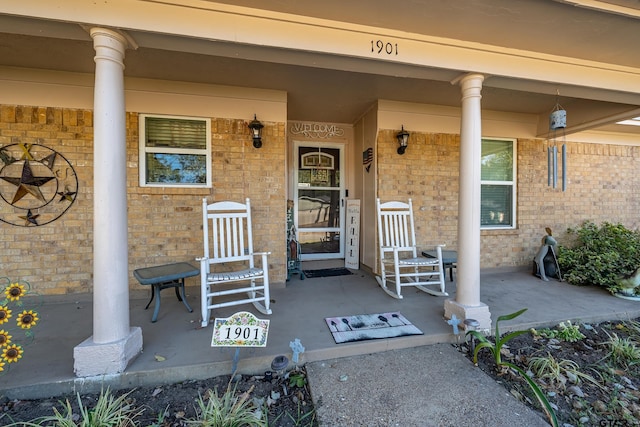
[380, 47]
[240, 333]
[242, 329]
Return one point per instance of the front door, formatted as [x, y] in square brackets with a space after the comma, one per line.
[320, 200]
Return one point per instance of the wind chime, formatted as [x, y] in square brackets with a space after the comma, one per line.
[557, 121]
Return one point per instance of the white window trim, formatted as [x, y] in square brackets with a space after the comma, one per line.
[514, 182]
[143, 150]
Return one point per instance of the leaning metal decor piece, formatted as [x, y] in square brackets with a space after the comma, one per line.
[37, 185]
[545, 263]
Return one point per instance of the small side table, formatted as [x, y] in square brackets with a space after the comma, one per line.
[449, 260]
[166, 276]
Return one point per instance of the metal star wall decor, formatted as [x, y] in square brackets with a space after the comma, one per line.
[30, 218]
[27, 183]
[37, 185]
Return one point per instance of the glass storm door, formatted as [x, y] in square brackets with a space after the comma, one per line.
[319, 201]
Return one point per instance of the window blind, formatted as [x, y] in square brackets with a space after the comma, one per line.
[175, 133]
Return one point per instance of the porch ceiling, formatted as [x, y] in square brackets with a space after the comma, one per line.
[336, 89]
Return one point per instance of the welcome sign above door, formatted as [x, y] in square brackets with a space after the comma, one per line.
[317, 130]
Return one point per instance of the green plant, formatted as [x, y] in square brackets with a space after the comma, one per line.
[633, 326]
[615, 410]
[227, 410]
[559, 371]
[566, 331]
[162, 418]
[548, 368]
[537, 391]
[302, 417]
[297, 379]
[599, 255]
[623, 352]
[109, 411]
[273, 422]
[496, 348]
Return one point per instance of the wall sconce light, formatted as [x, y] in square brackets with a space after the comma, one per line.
[403, 140]
[256, 131]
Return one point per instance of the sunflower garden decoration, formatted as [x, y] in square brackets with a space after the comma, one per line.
[16, 321]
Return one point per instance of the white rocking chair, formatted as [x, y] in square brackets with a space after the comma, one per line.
[399, 262]
[229, 259]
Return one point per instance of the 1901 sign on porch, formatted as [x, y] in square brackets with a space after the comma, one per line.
[242, 329]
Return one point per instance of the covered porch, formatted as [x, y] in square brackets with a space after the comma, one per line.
[334, 71]
[176, 348]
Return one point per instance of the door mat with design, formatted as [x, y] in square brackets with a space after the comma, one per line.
[370, 327]
[327, 272]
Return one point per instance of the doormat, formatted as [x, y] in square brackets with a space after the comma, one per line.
[370, 327]
[327, 272]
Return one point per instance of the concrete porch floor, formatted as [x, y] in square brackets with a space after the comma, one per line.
[176, 348]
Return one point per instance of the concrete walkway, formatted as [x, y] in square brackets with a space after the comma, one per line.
[399, 379]
[429, 386]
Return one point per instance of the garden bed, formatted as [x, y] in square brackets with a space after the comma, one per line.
[284, 400]
[592, 381]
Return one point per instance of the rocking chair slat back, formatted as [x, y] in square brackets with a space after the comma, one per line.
[228, 239]
[396, 225]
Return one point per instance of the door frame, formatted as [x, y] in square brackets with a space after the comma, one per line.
[342, 194]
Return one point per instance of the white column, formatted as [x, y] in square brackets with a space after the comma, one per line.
[468, 287]
[110, 259]
[467, 303]
[114, 343]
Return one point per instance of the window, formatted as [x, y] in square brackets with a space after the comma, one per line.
[498, 187]
[175, 151]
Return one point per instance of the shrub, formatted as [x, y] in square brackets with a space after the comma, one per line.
[599, 254]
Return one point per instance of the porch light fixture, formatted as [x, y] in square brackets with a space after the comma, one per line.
[403, 140]
[256, 131]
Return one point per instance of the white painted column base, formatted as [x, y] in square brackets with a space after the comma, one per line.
[478, 312]
[91, 359]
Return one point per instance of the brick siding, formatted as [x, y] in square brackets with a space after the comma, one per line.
[603, 182]
[165, 224]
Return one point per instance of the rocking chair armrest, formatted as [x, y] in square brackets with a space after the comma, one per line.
[397, 248]
[260, 253]
[204, 263]
[434, 247]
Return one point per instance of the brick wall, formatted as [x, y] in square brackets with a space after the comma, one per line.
[165, 225]
[602, 186]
